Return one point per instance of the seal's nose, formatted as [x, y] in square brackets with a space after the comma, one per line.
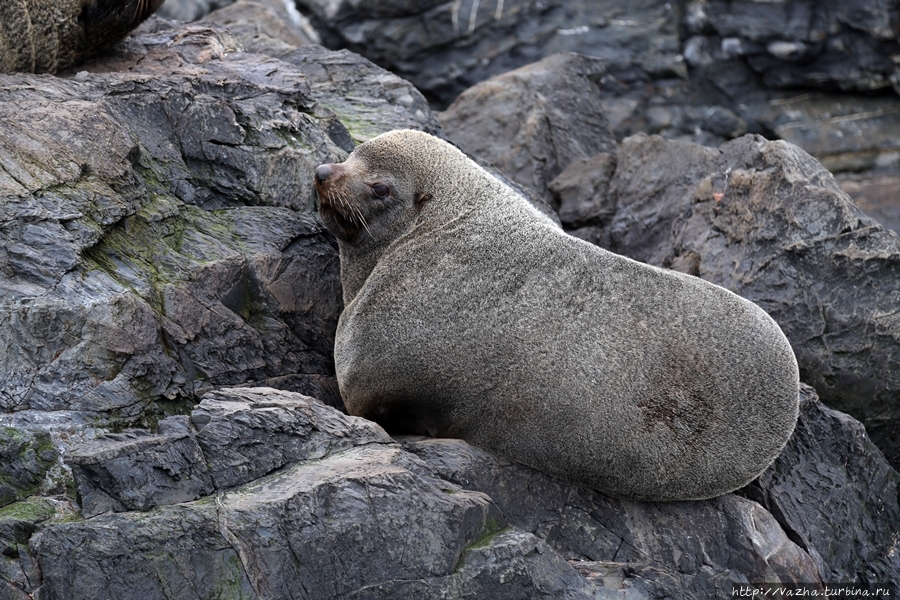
[323, 172]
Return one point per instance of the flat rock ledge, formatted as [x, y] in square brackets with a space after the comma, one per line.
[261, 493]
[232, 437]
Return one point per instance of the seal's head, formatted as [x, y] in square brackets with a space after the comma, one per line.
[377, 193]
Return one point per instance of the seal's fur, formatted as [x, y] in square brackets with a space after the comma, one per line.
[44, 36]
[469, 314]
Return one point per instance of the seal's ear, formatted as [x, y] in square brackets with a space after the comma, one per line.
[421, 198]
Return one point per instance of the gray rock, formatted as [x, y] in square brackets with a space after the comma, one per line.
[444, 47]
[332, 528]
[582, 190]
[270, 27]
[167, 250]
[18, 521]
[136, 470]
[25, 458]
[533, 122]
[189, 10]
[767, 221]
[352, 514]
[508, 565]
[699, 549]
[743, 56]
[328, 506]
[830, 462]
[171, 248]
[233, 437]
[250, 432]
[875, 192]
[337, 78]
[841, 45]
[846, 133]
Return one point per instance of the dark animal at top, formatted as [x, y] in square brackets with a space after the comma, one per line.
[45, 36]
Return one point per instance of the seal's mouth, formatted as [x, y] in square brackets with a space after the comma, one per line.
[328, 206]
[338, 213]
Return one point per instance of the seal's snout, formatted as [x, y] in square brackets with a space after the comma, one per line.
[323, 172]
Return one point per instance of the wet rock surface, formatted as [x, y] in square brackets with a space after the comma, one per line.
[270, 27]
[157, 245]
[831, 458]
[331, 507]
[345, 511]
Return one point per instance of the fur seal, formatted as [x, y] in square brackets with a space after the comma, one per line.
[470, 314]
[45, 36]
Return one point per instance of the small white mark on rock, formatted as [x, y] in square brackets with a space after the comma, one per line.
[786, 50]
[732, 46]
[574, 31]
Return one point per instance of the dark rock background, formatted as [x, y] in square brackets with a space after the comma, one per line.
[819, 74]
[162, 270]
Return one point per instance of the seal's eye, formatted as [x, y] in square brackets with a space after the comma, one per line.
[380, 190]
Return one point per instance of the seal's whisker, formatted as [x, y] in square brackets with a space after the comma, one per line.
[355, 211]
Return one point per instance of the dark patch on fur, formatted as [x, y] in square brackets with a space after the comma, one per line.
[677, 403]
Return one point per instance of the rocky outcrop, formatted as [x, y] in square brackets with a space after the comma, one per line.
[304, 502]
[156, 241]
[875, 192]
[390, 102]
[318, 504]
[232, 438]
[444, 47]
[170, 247]
[801, 44]
[270, 27]
[830, 458]
[156, 237]
[25, 459]
[820, 75]
[157, 245]
[190, 10]
[521, 122]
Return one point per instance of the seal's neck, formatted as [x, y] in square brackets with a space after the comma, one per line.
[359, 258]
[357, 262]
